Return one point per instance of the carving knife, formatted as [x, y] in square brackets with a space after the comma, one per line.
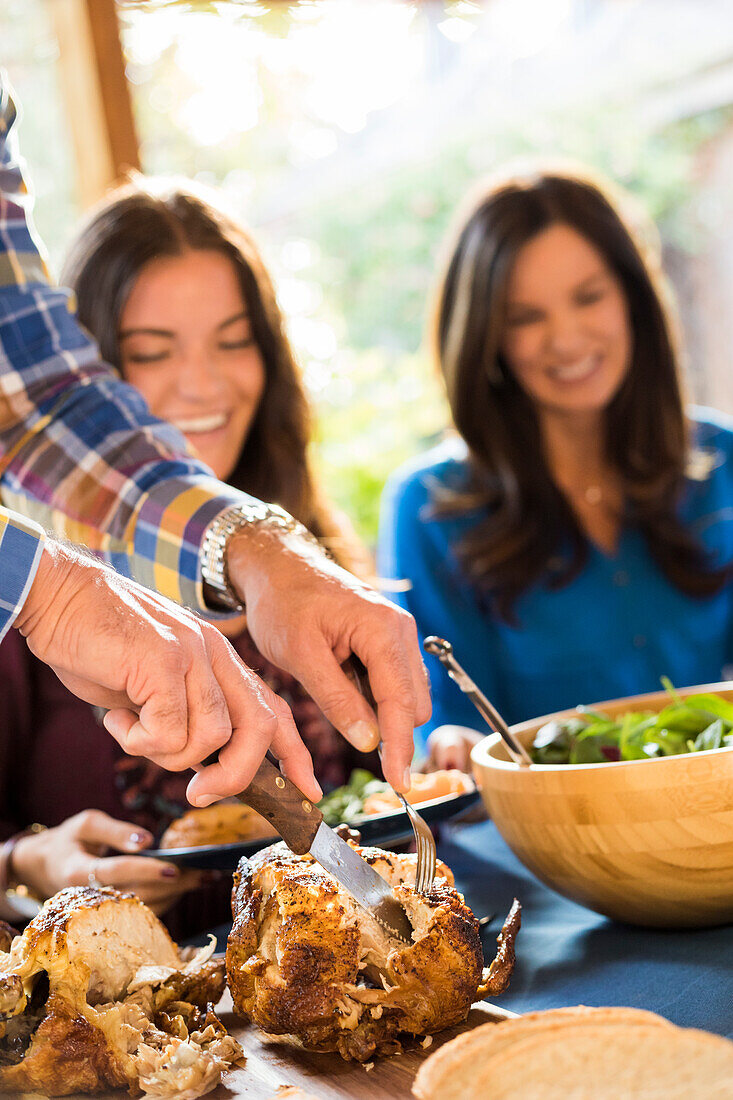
[301, 826]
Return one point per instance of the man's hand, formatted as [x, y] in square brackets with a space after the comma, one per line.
[175, 689]
[307, 615]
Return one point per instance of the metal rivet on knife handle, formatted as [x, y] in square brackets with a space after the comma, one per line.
[279, 801]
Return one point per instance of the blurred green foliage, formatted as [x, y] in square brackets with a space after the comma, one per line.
[392, 407]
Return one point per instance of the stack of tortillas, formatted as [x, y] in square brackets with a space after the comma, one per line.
[580, 1054]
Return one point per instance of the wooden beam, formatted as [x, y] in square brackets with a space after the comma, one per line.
[116, 99]
[96, 94]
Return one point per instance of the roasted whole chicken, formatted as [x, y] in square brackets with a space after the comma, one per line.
[304, 959]
[95, 994]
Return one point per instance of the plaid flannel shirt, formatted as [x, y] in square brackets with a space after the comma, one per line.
[79, 450]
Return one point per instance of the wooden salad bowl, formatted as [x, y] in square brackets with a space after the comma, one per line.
[648, 842]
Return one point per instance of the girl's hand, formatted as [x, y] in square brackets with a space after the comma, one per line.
[450, 747]
[75, 854]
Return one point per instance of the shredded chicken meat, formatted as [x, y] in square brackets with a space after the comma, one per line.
[301, 953]
[95, 994]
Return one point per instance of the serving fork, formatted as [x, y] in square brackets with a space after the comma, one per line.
[424, 839]
[424, 845]
[443, 650]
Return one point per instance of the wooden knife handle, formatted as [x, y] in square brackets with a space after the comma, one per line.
[283, 804]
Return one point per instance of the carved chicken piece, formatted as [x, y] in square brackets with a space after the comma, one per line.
[95, 994]
[7, 935]
[300, 948]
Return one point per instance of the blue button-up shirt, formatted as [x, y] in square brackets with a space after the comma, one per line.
[613, 631]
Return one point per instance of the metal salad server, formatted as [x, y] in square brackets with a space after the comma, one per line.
[438, 647]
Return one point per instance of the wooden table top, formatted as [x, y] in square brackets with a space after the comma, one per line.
[273, 1063]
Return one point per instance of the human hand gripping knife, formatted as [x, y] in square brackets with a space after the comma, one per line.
[301, 826]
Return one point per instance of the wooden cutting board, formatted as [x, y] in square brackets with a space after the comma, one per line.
[273, 1063]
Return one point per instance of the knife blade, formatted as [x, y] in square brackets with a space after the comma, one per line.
[301, 826]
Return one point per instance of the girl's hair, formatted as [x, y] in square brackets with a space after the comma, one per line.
[146, 219]
[530, 532]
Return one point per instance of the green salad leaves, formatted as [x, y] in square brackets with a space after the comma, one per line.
[695, 724]
[347, 802]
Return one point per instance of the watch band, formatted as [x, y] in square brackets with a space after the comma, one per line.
[221, 529]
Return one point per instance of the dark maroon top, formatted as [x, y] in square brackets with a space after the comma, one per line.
[56, 759]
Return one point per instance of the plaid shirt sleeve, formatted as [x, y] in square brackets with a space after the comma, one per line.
[21, 545]
[79, 451]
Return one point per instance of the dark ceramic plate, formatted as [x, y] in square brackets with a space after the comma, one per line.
[380, 829]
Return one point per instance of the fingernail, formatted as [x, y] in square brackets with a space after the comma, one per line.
[140, 839]
[407, 778]
[364, 736]
[201, 801]
[169, 872]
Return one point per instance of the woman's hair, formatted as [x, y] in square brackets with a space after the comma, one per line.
[530, 532]
[146, 219]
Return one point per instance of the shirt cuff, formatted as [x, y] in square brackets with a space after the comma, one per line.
[21, 546]
[168, 534]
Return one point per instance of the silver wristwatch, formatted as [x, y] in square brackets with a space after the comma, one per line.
[216, 539]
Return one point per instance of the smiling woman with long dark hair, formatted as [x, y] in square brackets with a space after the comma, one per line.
[573, 540]
[135, 243]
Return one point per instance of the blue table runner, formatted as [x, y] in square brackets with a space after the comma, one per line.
[569, 955]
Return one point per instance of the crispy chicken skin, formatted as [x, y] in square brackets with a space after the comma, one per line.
[7, 935]
[96, 995]
[300, 946]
